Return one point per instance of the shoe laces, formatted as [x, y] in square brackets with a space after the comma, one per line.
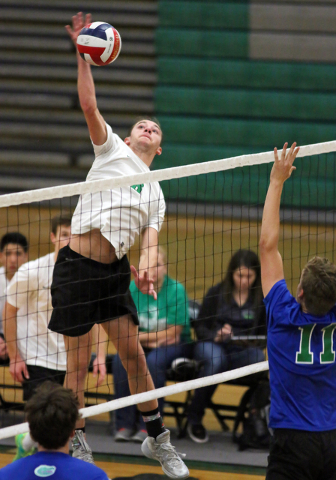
[167, 452]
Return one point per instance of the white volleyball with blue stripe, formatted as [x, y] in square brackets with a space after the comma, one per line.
[99, 43]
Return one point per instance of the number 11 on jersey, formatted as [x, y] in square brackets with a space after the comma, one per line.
[305, 355]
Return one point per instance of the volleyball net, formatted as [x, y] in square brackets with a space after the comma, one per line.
[213, 210]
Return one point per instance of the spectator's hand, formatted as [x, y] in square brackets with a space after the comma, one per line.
[144, 282]
[3, 349]
[18, 369]
[224, 334]
[78, 23]
[99, 370]
[283, 167]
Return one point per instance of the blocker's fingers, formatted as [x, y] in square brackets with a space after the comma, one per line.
[291, 150]
[284, 149]
[276, 153]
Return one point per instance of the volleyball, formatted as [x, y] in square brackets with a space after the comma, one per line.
[99, 43]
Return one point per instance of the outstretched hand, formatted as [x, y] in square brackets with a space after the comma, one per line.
[283, 166]
[144, 283]
[78, 23]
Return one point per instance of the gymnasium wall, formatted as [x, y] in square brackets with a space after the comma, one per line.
[242, 77]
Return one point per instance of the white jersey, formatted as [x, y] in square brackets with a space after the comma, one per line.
[3, 286]
[29, 291]
[122, 213]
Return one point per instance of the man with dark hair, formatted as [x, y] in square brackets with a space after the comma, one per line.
[36, 353]
[13, 254]
[300, 344]
[92, 275]
[52, 414]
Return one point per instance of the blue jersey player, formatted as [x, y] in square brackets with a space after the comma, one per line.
[52, 413]
[300, 343]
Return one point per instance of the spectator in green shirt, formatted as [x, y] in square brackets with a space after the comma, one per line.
[164, 334]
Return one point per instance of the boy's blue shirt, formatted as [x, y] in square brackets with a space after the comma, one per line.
[51, 466]
[302, 364]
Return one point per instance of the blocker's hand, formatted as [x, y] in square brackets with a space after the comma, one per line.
[144, 282]
[283, 166]
[78, 23]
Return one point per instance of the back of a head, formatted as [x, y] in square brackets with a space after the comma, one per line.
[52, 413]
[318, 283]
[15, 238]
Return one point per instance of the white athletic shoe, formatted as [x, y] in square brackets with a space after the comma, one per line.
[80, 448]
[162, 450]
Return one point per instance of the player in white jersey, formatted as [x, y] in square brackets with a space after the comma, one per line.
[92, 275]
[13, 254]
[36, 353]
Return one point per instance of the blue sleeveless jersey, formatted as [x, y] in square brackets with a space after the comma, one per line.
[302, 364]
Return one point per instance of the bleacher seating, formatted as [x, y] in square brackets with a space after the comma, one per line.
[243, 77]
[42, 130]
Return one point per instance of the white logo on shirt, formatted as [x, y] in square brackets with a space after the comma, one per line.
[45, 471]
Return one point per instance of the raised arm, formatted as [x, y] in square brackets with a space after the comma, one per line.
[17, 367]
[270, 258]
[85, 85]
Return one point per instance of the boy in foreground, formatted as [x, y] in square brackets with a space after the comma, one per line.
[300, 344]
[52, 413]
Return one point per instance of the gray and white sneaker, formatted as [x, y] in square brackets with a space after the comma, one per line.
[123, 435]
[80, 449]
[139, 436]
[162, 450]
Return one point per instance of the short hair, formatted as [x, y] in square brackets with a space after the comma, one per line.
[151, 119]
[52, 413]
[318, 282]
[63, 219]
[16, 238]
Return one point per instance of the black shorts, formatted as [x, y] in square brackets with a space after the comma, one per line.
[302, 455]
[38, 375]
[85, 292]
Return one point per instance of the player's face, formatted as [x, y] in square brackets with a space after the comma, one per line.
[146, 134]
[243, 278]
[61, 238]
[12, 257]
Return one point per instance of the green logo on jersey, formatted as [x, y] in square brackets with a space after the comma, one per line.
[138, 188]
[45, 471]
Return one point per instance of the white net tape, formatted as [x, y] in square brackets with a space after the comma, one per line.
[157, 393]
[155, 176]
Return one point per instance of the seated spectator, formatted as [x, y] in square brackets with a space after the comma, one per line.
[164, 335]
[52, 414]
[36, 353]
[233, 307]
[13, 254]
